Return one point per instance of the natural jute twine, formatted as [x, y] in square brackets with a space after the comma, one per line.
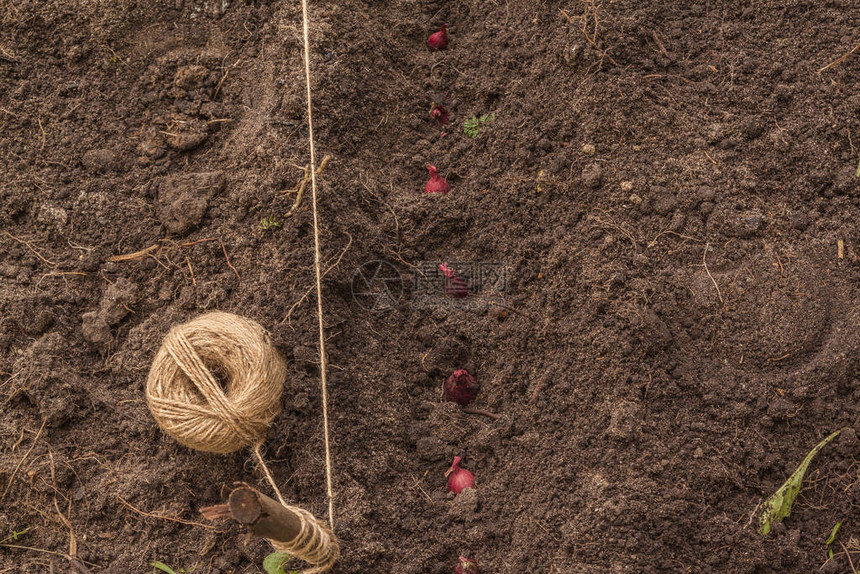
[315, 544]
[188, 401]
[317, 265]
[189, 404]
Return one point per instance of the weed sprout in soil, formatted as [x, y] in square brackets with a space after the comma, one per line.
[459, 478]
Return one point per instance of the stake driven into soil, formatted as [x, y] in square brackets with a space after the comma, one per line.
[289, 528]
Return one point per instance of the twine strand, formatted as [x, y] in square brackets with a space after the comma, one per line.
[315, 543]
[317, 265]
[269, 474]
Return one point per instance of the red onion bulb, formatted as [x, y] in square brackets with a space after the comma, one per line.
[455, 286]
[436, 183]
[438, 40]
[461, 387]
[459, 478]
[440, 115]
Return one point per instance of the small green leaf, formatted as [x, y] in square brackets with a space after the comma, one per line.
[270, 223]
[833, 532]
[162, 566]
[274, 562]
[471, 127]
[779, 505]
[18, 534]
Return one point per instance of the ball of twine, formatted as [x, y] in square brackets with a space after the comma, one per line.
[188, 400]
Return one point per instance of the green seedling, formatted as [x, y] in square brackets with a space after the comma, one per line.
[832, 538]
[274, 563]
[779, 505]
[271, 223]
[165, 568]
[16, 534]
[472, 126]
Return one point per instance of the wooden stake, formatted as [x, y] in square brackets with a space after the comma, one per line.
[289, 529]
[262, 515]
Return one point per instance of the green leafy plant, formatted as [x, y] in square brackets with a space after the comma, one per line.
[779, 505]
[472, 126]
[165, 568]
[832, 538]
[271, 223]
[274, 563]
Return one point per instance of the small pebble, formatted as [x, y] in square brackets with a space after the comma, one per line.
[665, 204]
[627, 186]
[592, 176]
[799, 220]
[706, 194]
[635, 199]
[99, 160]
[753, 220]
[52, 215]
[589, 149]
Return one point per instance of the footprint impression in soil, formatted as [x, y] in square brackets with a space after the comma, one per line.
[776, 313]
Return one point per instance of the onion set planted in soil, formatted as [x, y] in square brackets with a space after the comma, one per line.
[459, 479]
[438, 40]
[461, 387]
[455, 286]
[440, 115]
[436, 183]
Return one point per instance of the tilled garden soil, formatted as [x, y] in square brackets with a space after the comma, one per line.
[668, 188]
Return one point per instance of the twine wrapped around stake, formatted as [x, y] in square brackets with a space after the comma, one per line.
[315, 544]
[189, 404]
[188, 401]
[288, 528]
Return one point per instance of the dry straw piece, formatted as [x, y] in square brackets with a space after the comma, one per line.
[184, 388]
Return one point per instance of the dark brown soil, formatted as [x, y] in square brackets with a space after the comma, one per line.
[677, 331]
